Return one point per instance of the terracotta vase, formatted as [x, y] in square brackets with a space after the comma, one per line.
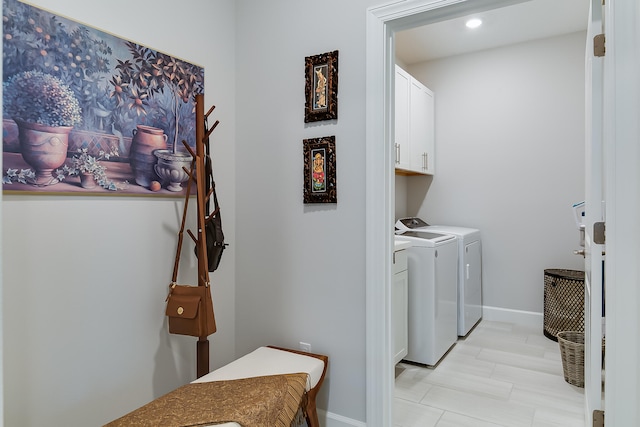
[145, 140]
[44, 148]
[87, 180]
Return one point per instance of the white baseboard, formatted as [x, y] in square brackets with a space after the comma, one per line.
[329, 419]
[519, 317]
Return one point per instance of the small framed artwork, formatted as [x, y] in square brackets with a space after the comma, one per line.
[320, 170]
[321, 87]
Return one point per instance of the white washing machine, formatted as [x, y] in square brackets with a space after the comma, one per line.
[469, 269]
[432, 268]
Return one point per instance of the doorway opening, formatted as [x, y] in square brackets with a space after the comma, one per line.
[383, 23]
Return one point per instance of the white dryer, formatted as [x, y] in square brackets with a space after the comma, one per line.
[469, 269]
[432, 268]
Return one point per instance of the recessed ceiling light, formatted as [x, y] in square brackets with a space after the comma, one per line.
[474, 23]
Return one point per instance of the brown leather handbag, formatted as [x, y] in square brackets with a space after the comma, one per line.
[190, 310]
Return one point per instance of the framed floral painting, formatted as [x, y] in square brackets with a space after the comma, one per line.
[320, 170]
[321, 87]
[86, 112]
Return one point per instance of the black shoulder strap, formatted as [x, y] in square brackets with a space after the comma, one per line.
[211, 186]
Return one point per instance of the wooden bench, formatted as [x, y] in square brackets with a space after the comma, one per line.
[272, 360]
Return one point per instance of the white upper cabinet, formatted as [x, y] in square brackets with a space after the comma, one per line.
[414, 126]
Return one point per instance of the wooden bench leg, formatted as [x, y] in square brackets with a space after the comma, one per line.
[310, 409]
[312, 414]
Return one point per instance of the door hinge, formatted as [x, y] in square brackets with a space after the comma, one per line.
[598, 233]
[598, 418]
[598, 45]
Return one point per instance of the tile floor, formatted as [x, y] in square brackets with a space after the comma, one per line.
[501, 375]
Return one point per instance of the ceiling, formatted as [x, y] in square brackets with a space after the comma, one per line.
[531, 20]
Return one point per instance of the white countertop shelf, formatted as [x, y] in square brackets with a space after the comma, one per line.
[401, 244]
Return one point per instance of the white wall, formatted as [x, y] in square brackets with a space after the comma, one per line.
[301, 268]
[299, 271]
[85, 278]
[510, 160]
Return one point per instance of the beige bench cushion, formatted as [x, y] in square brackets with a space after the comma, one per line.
[268, 361]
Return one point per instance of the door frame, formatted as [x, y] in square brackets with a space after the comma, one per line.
[594, 195]
[382, 23]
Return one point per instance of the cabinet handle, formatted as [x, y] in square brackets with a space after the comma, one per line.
[397, 153]
[425, 161]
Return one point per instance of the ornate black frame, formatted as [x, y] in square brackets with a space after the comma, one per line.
[328, 110]
[326, 145]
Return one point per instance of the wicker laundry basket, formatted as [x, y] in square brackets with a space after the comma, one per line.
[572, 353]
[563, 301]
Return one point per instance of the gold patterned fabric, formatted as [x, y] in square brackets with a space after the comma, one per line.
[269, 401]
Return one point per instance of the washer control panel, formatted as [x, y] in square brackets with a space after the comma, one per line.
[410, 223]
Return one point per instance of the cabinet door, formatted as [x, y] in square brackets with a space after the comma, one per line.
[421, 133]
[446, 298]
[430, 143]
[472, 284]
[402, 117]
[399, 315]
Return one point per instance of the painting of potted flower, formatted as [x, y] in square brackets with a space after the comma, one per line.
[45, 110]
[124, 93]
[89, 169]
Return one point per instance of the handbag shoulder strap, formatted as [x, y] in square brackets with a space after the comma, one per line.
[211, 187]
[176, 263]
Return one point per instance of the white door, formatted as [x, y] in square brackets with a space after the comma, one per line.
[594, 213]
[622, 188]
